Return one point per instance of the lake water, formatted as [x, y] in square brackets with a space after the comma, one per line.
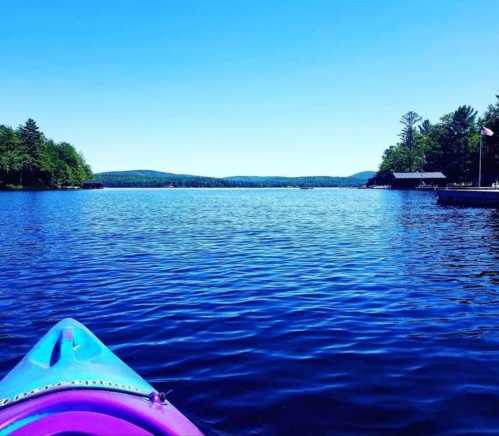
[271, 311]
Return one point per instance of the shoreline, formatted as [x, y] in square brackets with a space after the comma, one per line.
[37, 188]
[31, 189]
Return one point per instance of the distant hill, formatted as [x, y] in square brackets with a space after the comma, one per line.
[363, 175]
[155, 179]
[316, 181]
[148, 178]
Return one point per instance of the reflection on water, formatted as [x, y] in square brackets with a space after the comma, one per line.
[270, 311]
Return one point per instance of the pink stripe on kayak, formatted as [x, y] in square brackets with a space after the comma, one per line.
[41, 414]
[90, 423]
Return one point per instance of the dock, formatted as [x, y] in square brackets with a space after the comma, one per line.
[476, 197]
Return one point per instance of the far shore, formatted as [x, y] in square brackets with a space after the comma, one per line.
[79, 188]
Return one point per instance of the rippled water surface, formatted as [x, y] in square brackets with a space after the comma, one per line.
[331, 311]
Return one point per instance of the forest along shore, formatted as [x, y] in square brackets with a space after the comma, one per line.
[158, 179]
[450, 146]
[28, 160]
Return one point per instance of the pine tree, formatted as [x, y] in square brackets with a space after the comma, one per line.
[409, 135]
[32, 141]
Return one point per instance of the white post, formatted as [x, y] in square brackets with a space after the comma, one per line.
[480, 163]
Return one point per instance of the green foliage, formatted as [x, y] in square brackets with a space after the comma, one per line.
[491, 143]
[450, 146]
[156, 179]
[28, 159]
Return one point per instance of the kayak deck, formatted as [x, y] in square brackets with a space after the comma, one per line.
[67, 356]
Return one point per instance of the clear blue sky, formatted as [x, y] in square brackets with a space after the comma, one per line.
[222, 88]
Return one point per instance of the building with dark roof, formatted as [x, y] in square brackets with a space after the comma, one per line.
[92, 184]
[417, 179]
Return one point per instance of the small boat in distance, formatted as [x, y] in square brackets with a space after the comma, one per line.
[71, 383]
[306, 187]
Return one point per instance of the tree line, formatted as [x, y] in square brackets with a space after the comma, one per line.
[29, 159]
[450, 145]
[155, 179]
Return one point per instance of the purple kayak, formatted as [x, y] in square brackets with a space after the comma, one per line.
[71, 383]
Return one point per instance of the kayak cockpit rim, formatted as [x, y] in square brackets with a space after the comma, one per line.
[100, 385]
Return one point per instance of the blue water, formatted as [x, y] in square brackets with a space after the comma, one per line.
[331, 311]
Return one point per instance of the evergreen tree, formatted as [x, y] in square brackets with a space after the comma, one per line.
[409, 135]
[33, 143]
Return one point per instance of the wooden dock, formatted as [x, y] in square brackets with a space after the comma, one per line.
[475, 197]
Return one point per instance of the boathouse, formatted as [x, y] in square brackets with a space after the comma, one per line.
[92, 184]
[417, 179]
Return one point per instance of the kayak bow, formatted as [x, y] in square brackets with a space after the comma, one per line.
[70, 382]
